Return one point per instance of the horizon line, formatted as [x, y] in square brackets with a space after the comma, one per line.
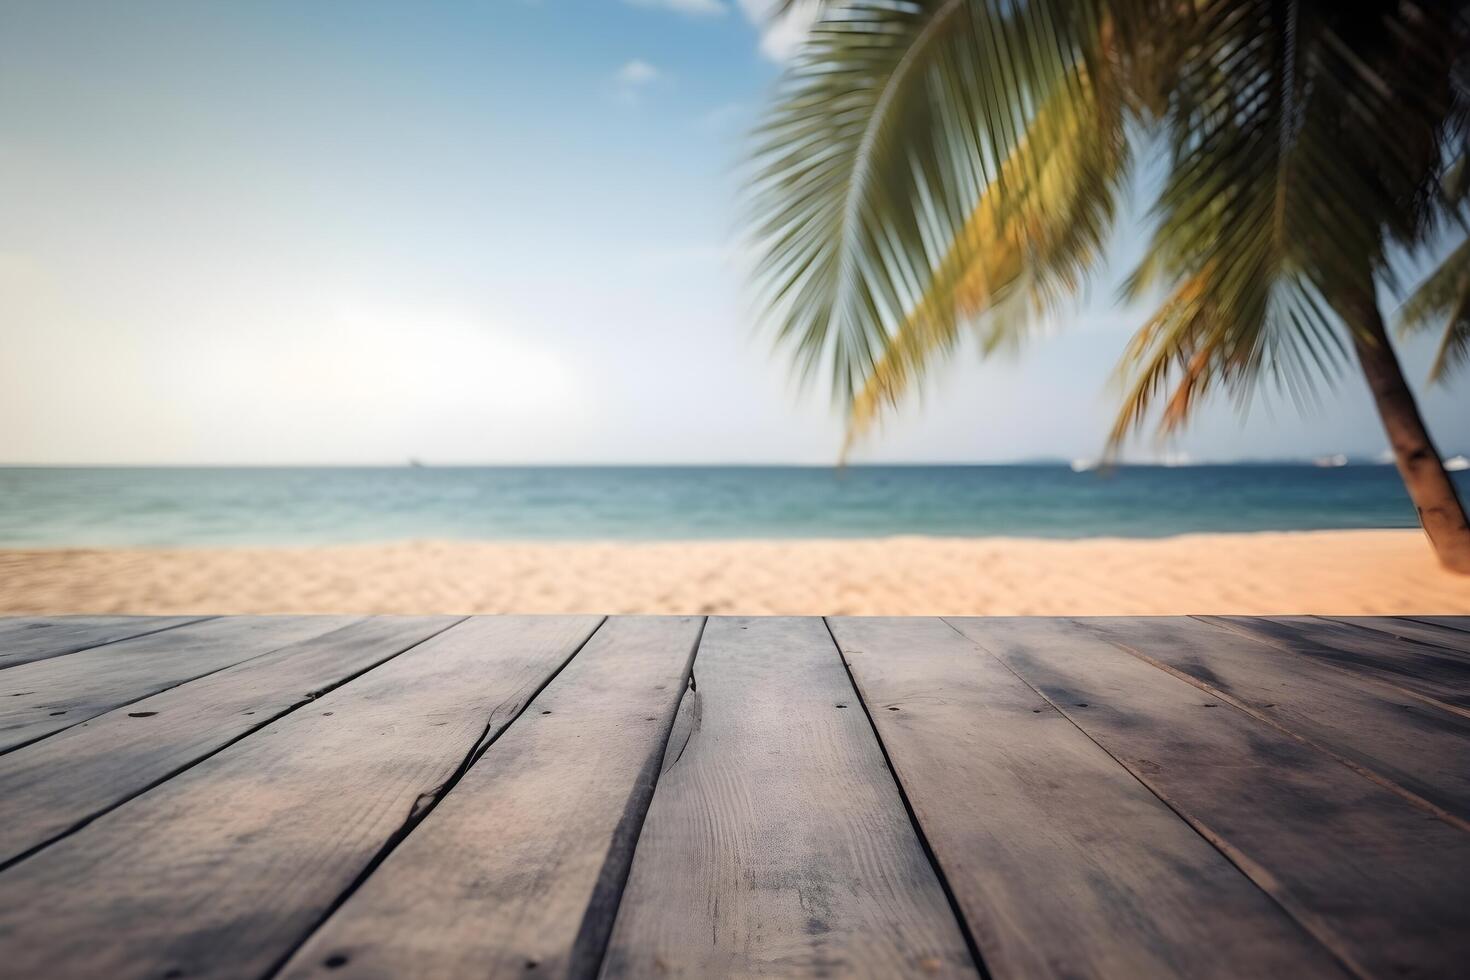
[1307, 461]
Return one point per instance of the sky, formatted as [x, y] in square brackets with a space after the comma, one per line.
[491, 231]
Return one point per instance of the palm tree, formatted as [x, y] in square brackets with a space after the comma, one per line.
[936, 168]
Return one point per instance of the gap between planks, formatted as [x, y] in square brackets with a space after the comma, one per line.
[78, 775]
[1442, 730]
[563, 794]
[1375, 881]
[21, 644]
[977, 957]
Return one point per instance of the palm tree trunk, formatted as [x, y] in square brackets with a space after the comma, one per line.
[1429, 486]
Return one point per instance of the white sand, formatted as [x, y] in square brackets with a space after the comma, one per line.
[1341, 572]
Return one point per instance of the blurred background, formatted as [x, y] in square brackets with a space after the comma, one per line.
[297, 295]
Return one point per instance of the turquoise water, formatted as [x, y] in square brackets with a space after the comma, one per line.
[180, 507]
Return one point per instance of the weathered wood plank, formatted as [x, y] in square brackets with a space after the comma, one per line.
[777, 843]
[221, 870]
[49, 696]
[1375, 878]
[1408, 629]
[1436, 675]
[520, 868]
[55, 784]
[25, 640]
[1410, 745]
[1062, 863]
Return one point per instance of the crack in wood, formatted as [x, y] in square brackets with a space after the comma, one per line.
[686, 726]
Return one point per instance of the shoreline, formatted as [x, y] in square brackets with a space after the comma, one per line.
[608, 542]
[1342, 572]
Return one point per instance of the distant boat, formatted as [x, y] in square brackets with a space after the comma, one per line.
[1330, 462]
[1083, 465]
[415, 464]
[1457, 463]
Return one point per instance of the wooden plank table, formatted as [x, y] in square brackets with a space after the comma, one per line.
[638, 796]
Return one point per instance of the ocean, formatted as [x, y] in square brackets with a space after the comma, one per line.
[180, 507]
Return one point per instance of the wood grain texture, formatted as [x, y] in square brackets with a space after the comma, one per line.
[777, 843]
[37, 699]
[1415, 747]
[518, 872]
[25, 640]
[1407, 629]
[220, 871]
[1424, 672]
[1062, 863]
[1461, 623]
[55, 784]
[1379, 881]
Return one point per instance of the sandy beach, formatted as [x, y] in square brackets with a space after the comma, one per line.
[1323, 572]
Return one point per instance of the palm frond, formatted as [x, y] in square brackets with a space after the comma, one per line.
[889, 128]
[1029, 241]
[1442, 302]
[1268, 225]
[1189, 348]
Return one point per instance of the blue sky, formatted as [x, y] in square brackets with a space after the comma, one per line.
[494, 231]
